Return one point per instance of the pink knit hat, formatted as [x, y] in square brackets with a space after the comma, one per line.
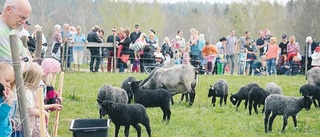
[50, 66]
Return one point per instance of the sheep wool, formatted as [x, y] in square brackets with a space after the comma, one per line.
[311, 90]
[286, 106]
[219, 89]
[273, 88]
[313, 76]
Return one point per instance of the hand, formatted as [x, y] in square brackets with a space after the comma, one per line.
[57, 107]
[13, 123]
[8, 96]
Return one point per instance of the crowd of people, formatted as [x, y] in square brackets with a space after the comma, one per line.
[15, 15]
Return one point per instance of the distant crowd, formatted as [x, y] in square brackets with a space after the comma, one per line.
[137, 51]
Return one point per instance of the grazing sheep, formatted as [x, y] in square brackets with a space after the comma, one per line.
[257, 96]
[113, 94]
[126, 115]
[313, 76]
[176, 79]
[152, 98]
[286, 106]
[311, 90]
[242, 94]
[127, 87]
[192, 93]
[273, 88]
[219, 89]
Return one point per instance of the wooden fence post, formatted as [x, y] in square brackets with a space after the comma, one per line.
[24, 40]
[38, 45]
[20, 84]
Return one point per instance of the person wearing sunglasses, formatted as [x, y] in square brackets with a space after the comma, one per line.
[15, 13]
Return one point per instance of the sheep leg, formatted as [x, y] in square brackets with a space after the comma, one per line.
[100, 112]
[245, 104]
[271, 121]
[126, 130]
[147, 125]
[238, 104]
[285, 122]
[192, 96]
[138, 128]
[315, 103]
[213, 101]
[221, 99]
[116, 130]
[294, 120]
[267, 114]
[164, 114]
[225, 99]
[255, 107]
[250, 106]
[182, 96]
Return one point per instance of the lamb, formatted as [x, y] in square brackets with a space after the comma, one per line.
[311, 90]
[113, 94]
[313, 76]
[127, 87]
[219, 89]
[273, 88]
[126, 115]
[152, 98]
[286, 106]
[242, 94]
[257, 96]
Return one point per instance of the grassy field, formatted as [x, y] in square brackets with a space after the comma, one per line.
[200, 120]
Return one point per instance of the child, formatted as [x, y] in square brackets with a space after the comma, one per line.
[138, 46]
[242, 60]
[220, 62]
[6, 98]
[316, 57]
[260, 67]
[186, 56]
[135, 67]
[32, 78]
[158, 56]
[166, 62]
[295, 66]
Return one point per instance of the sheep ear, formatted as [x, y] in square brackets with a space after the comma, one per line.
[100, 101]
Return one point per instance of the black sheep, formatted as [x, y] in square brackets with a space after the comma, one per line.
[311, 90]
[127, 87]
[257, 96]
[152, 98]
[219, 89]
[126, 115]
[242, 94]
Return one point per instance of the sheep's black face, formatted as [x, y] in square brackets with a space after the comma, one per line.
[107, 107]
[233, 100]
[307, 101]
[211, 91]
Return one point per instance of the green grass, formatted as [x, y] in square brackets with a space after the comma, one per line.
[200, 120]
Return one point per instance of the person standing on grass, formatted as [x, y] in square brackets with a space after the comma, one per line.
[94, 51]
[194, 46]
[260, 43]
[272, 56]
[110, 39]
[78, 51]
[231, 49]
[283, 45]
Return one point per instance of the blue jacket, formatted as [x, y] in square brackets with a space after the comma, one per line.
[5, 124]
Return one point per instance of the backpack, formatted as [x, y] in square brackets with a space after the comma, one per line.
[31, 44]
[51, 96]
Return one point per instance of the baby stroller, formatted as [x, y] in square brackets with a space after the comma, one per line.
[242, 56]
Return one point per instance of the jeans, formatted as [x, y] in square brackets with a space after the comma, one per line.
[231, 57]
[271, 66]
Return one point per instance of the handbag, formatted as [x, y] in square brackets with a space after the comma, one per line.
[299, 56]
[124, 58]
[119, 51]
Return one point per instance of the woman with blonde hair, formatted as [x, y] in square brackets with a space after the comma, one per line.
[6, 98]
[272, 56]
[194, 46]
[32, 78]
[293, 48]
